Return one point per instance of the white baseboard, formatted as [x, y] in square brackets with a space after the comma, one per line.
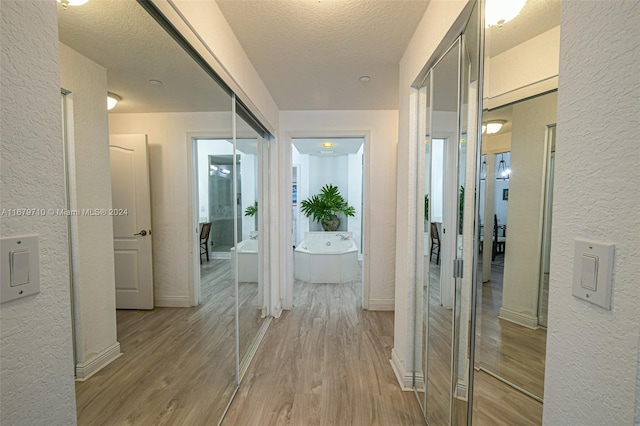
[419, 382]
[405, 378]
[381, 305]
[84, 370]
[461, 391]
[172, 302]
[519, 318]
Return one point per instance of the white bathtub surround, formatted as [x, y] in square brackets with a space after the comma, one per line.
[326, 257]
[247, 259]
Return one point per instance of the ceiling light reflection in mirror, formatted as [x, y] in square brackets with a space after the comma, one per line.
[499, 12]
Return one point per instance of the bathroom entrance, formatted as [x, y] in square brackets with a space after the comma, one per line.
[327, 212]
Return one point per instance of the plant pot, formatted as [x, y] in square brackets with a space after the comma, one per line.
[331, 224]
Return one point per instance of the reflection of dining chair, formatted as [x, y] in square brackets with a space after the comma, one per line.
[435, 243]
[204, 240]
[498, 241]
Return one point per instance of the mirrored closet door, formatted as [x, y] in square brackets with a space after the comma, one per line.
[515, 214]
[446, 199]
[182, 357]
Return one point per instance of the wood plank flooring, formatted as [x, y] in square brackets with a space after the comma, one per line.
[178, 364]
[498, 404]
[326, 362]
[511, 351]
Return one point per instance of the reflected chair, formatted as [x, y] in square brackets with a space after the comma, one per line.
[435, 243]
[499, 242]
[205, 230]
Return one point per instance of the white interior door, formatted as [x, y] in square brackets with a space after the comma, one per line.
[131, 221]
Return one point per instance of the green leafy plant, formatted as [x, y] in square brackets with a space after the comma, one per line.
[251, 210]
[324, 207]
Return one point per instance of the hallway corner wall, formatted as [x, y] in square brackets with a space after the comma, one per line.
[90, 188]
[592, 353]
[37, 385]
[437, 20]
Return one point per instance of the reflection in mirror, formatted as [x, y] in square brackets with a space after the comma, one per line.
[164, 96]
[543, 302]
[247, 250]
[516, 176]
[442, 234]
[515, 215]
[423, 245]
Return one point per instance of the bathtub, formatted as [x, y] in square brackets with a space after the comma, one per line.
[247, 259]
[326, 257]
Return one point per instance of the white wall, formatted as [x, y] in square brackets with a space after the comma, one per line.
[592, 353]
[437, 20]
[170, 198]
[381, 126]
[526, 198]
[37, 385]
[354, 197]
[94, 274]
[302, 160]
[533, 61]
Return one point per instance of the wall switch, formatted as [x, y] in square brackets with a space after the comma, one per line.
[593, 272]
[19, 267]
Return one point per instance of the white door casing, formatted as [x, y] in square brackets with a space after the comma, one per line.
[131, 221]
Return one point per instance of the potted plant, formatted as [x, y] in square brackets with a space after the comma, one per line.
[325, 206]
[252, 211]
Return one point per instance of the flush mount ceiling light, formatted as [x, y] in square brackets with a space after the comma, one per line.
[112, 100]
[327, 144]
[364, 78]
[499, 12]
[66, 3]
[493, 126]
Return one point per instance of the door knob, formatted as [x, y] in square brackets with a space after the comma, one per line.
[142, 233]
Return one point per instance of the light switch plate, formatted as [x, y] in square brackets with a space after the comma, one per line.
[596, 260]
[18, 279]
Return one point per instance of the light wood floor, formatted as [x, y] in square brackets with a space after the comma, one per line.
[511, 351]
[178, 364]
[495, 403]
[326, 362]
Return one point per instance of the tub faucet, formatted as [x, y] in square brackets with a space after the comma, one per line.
[343, 237]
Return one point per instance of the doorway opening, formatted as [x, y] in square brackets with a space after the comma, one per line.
[328, 212]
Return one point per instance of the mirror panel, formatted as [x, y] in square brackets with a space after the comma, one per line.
[442, 234]
[166, 96]
[248, 250]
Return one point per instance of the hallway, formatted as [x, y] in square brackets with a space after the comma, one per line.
[325, 362]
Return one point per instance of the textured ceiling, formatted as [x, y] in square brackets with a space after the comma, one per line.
[310, 53]
[131, 45]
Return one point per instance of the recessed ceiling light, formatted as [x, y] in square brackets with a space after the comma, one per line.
[365, 78]
[112, 100]
[155, 82]
[327, 144]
